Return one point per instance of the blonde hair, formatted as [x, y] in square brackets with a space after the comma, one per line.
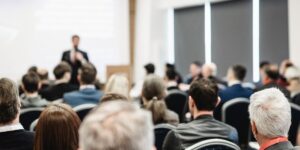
[119, 84]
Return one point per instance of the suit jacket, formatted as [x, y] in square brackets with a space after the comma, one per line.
[202, 128]
[57, 91]
[282, 146]
[234, 91]
[37, 101]
[296, 99]
[75, 66]
[275, 85]
[16, 140]
[84, 96]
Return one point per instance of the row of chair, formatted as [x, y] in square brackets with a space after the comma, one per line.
[29, 116]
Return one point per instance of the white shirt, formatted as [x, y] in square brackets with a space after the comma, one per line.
[231, 83]
[89, 86]
[13, 127]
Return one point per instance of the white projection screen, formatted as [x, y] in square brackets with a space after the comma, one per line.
[36, 32]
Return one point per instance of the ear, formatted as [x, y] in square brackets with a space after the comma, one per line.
[218, 101]
[39, 86]
[191, 103]
[253, 128]
[23, 87]
[78, 78]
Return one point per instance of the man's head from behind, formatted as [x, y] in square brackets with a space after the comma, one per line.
[117, 125]
[87, 74]
[270, 114]
[9, 101]
[31, 82]
[150, 68]
[62, 71]
[203, 96]
[271, 74]
[236, 72]
[195, 68]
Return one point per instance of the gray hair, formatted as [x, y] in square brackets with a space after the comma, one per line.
[117, 125]
[271, 112]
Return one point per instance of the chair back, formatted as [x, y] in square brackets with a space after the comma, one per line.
[176, 101]
[28, 115]
[161, 131]
[33, 125]
[83, 110]
[235, 113]
[295, 123]
[214, 144]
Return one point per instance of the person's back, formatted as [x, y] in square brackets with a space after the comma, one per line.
[12, 134]
[88, 92]
[203, 100]
[235, 77]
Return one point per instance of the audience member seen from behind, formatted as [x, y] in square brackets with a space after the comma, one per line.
[285, 64]
[235, 77]
[117, 84]
[262, 66]
[112, 97]
[209, 71]
[57, 129]
[203, 100]
[117, 125]
[12, 134]
[153, 94]
[270, 115]
[87, 94]
[170, 80]
[270, 80]
[44, 77]
[31, 85]
[62, 73]
[135, 92]
[292, 74]
[169, 66]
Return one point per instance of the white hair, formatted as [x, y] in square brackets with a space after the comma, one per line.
[271, 112]
[292, 72]
[119, 84]
[117, 125]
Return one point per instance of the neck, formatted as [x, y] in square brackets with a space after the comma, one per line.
[35, 94]
[233, 82]
[262, 140]
[15, 121]
[201, 113]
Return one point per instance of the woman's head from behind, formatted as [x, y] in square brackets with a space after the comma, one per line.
[57, 129]
[153, 94]
[119, 84]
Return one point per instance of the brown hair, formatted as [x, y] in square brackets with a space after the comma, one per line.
[112, 97]
[87, 73]
[154, 92]
[31, 82]
[60, 70]
[9, 102]
[57, 129]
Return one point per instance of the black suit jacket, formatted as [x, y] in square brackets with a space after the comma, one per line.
[57, 91]
[75, 66]
[16, 140]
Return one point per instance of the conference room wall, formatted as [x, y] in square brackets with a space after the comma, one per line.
[294, 30]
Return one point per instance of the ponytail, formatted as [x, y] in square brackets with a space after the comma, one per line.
[158, 109]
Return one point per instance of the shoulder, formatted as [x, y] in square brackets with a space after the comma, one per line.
[71, 94]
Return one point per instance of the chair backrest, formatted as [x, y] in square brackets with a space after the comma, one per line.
[176, 101]
[83, 110]
[214, 144]
[28, 115]
[235, 113]
[33, 125]
[161, 131]
[295, 123]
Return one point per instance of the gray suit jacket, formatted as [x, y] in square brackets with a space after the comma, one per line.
[283, 146]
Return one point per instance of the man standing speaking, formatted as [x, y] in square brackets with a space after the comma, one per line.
[75, 57]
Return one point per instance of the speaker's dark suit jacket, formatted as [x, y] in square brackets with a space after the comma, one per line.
[16, 140]
[75, 66]
[234, 91]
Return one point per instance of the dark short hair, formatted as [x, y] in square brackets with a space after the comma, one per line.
[171, 74]
[262, 64]
[9, 102]
[273, 74]
[60, 70]
[87, 73]
[239, 72]
[150, 68]
[33, 69]
[205, 94]
[170, 66]
[44, 76]
[112, 97]
[31, 82]
[197, 63]
[75, 36]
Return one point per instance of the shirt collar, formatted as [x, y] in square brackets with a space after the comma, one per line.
[13, 127]
[231, 83]
[89, 86]
[171, 83]
[277, 140]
